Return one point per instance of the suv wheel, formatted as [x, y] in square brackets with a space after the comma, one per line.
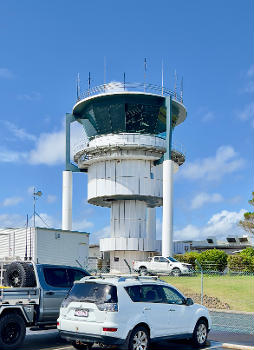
[139, 339]
[200, 333]
[81, 346]
[176, 272]
[143, 271]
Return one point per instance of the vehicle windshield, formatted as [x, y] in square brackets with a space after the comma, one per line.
[92, 292]
[171, 259]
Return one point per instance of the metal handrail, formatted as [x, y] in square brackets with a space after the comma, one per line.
[139, 87]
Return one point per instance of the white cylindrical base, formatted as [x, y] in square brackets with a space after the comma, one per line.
[67, 201]
[167, 210]
[128, 219]
[151, 224]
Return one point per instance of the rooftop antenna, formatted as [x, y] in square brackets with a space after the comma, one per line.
[124, 80]
[89, 83]
[26, 236]
[175, 83]
[104, 72]
[162, 77]
[36, 195]
[182, 90]
[78, 87]
[145, 68]
[30, 257]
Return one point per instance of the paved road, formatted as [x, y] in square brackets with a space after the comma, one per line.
[49, 340]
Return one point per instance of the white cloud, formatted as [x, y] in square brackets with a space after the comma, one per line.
[202, 198]
[8, 156]
[12, 220]
[102, 233]
[11, 201]
[6, 73]
[225, 161]
[51, 198]
[18, 132]
[45, 220]
[50, 147]
[220, 225]
[82, 225]
[208, 116]
[33, 96]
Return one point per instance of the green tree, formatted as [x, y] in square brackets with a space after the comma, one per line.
[248, 222]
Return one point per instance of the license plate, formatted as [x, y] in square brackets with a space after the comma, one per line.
[81, 313]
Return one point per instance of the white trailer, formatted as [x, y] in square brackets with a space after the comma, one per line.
[45, 246]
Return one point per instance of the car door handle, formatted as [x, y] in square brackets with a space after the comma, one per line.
[171, 310]
[50, 293]
[147, 308]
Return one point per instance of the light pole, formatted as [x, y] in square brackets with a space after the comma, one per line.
[36, 195]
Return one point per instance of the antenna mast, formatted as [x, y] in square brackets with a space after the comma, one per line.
[104, 72]
[78, 87]
[175, 83]
[89, 83]
[162, 77]
[145, 68]
[182, 90]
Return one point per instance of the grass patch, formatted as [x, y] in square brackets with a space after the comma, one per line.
[237, 291]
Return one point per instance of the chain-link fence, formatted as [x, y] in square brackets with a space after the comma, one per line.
[229, 295]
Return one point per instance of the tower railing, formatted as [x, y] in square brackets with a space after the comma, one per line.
[83, 144]
[131, 87]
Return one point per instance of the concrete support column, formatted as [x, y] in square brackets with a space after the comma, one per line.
[67, 201]
[167, 219]
[151, 224]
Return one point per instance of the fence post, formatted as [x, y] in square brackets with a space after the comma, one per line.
[202, 279]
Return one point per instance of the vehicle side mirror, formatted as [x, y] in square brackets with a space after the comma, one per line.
[188, 302]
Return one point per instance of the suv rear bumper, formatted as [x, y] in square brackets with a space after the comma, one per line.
[91, 338]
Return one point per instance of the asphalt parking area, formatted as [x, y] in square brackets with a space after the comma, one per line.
[49, 340]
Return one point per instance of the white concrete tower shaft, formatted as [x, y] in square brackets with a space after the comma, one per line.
[167, 219]
[151, 224]
[67, 200]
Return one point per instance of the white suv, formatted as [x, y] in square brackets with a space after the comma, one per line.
[129, 311]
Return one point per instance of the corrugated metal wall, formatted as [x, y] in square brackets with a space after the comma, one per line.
[47, 246]
[15, 242]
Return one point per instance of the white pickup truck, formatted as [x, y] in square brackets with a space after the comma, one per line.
[160, 264]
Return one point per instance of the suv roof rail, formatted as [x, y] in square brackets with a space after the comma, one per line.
[122, 278]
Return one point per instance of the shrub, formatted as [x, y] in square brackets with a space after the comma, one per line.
[213, 260]
[235, 263]
[188, 258]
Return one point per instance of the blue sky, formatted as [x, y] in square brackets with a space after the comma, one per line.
[44, 44]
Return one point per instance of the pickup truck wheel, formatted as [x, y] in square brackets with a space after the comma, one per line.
[200, 333]
[12, 331]
[20, 274]
[143, 271]
[81, 346]
[176, 272]
[139, 339]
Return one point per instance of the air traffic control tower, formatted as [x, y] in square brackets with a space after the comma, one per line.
[130, 162]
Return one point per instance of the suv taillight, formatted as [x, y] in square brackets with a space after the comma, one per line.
[111, 307]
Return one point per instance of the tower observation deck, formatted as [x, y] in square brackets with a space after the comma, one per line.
[129, 131]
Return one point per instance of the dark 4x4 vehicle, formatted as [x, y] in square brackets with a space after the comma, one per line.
[33, 299]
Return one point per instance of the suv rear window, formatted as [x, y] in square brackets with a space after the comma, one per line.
[93, 292]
